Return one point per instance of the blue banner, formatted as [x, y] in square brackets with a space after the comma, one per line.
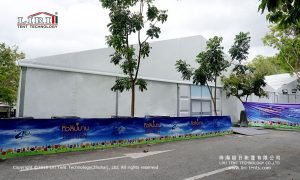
[273, 115]
[43, 136]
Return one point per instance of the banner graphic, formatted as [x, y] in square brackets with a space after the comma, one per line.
[273, 115]
[20, 137]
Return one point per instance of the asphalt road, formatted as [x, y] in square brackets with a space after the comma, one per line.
[209, 158]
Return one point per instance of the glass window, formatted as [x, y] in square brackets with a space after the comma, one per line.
[205, 92]
[218, 105]
[206, 107]
[201, 107]
[200, 91]
[196, 91]
[196, 106]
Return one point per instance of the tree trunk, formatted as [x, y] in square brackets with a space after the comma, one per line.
[215, 97]
[246, 98]
[132, 98]
[211, 95]
[8, 111]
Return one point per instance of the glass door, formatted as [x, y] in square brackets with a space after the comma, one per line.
[196, 108]
[206, 108]
[200, 108]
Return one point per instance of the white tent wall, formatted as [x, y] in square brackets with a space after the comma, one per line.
[160, 65]
[298, 99]
[160, 99]
[270, 99]
[282, 98]
[289, 87]
[59, 93]
[231, 106]
[63, 93]
[79, 84]
[290, 97]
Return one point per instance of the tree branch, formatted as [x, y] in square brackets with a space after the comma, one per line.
[210, 93]
[149, 36]
[239, 98]
[140, 44]
[289, 64]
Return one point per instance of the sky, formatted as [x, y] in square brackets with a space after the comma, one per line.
[82, 24]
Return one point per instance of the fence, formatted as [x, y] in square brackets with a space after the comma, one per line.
[21, 137]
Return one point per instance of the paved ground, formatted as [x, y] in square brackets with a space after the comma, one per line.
[248, 131]
[196, 158]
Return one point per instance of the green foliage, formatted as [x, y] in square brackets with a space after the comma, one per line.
[211, 61]
[122, 84]
[243, 85]
[127, 18]
[243, 81]
[281, 12]
[9, 73]
[142, 84]
[285, 34]
[211, 65]
[145, 49]
[269, 65]
[239, 50]
[185, 69]
[125, 84]
[199, 76]
[287, 42]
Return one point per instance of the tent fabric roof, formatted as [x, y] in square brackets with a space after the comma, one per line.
[279, 80]
[160, 65]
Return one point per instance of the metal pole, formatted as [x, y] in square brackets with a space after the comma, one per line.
[117, 101]
[178, 99]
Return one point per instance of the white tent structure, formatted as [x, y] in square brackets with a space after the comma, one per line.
[276, 85]
[79, 84]
[285, 88]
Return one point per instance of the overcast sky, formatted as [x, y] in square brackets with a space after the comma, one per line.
[82, 24]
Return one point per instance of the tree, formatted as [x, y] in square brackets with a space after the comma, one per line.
[211, 65]
[281, 12]
[284, 34]
[269, 65]
[9, 73]
[287, 42]
[243, 82]
[239, 51]
[125, 22]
